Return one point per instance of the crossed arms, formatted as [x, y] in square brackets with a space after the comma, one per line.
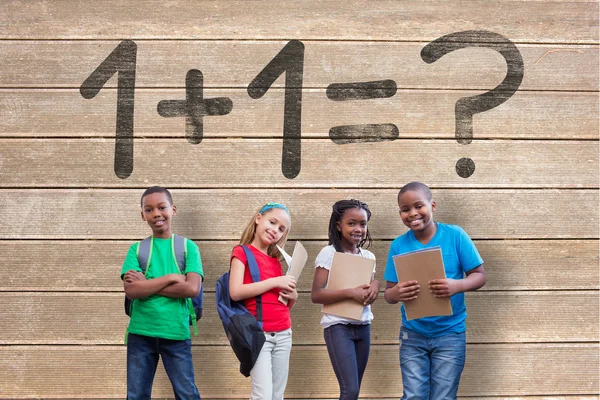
[172, 285]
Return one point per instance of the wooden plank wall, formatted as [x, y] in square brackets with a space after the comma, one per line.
[531, 205]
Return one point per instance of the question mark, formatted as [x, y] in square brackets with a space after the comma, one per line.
[467, 106]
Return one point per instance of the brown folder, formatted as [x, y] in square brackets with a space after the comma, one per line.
[348, 271]
[423, 266]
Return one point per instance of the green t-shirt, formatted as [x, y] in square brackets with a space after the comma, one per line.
[156, 315]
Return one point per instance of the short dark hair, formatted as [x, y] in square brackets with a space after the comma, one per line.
[338, 210]
[156, 189]
[416, 187]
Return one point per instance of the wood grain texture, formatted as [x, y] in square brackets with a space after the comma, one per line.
[531, 206]
[92, 266]
[459, 397]
[491, 370]
[222, 214]
[89, 163]
[416, 113]
[522, 21]
[234, 64]
[494, 317]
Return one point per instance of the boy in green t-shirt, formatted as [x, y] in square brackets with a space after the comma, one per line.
[159, 324]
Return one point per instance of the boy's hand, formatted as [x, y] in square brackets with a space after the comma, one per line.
[289, 295]
[372, 292]
[286, 283]
[444, 287]
[407, 291]
[133, 275]
[359, 293]
[177, 278]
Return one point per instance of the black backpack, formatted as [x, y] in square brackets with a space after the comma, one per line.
[244, 331]
[144, 254]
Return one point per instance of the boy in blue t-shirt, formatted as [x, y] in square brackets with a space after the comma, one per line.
[159, 324]
[432, 349]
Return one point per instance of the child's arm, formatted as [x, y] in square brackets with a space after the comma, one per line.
[449, 287]
[321, 295]
[190, 287]
[240, 291]
[402, 291]
[137, 286]
[290, 296]
[373, 291]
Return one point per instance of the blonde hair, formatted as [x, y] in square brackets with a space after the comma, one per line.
[250, 232]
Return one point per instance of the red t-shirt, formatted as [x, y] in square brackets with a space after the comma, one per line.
[276, 315]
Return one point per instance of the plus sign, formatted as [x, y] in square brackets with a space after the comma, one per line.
[194, 107]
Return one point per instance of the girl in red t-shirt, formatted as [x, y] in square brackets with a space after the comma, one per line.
[268, 228]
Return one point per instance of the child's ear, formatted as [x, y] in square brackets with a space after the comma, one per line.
[337, 225]
[174, 210]
[142, 214]
[432, 205]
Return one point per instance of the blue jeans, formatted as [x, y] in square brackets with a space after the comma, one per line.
[431, 368]
[348, 348]
[142, 359]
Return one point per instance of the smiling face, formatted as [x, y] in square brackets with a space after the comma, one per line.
[270, 228]
[157, 211]
[353, 228]
[416, 211]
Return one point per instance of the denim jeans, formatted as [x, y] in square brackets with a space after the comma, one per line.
[348, 348]
[142, 359]
[270, 372]
[431, 368]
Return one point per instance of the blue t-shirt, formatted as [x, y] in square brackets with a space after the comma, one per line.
[460, 256]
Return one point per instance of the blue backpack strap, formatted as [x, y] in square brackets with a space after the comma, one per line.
[255, 273]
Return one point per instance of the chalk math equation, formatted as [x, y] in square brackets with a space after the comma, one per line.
[290, 61]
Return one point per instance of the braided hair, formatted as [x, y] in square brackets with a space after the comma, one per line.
[337, 212]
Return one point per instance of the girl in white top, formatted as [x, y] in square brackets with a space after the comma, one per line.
[348, 341]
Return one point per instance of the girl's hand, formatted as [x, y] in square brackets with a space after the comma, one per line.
[444, 287]
[289, 295]
[407, 291]
[372, 292]
[286, 283]
[359, 293]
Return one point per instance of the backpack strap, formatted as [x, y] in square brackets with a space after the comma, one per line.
[179, 251]
[144, 253]
[255, 273]
[179, 244]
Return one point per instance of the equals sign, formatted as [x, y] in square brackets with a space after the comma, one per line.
[344, 134]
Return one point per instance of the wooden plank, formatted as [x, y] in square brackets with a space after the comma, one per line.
[526, 21]
[90, 163]
[227, 64]
[32, 265]
[459, 397]
[416, 114]
[491, 370]
[494, 317]
[83, 214]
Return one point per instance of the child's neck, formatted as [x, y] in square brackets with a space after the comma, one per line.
[427, 234]
[259, 245]
[162, 235]
[350, 248]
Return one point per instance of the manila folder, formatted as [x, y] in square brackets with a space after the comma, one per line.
[348, 271]
[423, 266]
